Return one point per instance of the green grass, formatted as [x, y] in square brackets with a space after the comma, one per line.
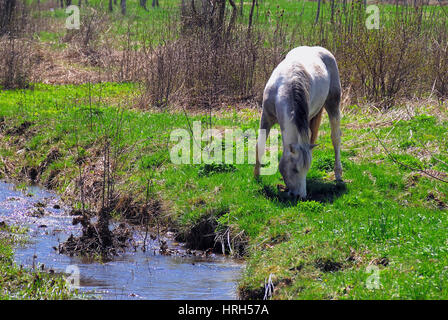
[388, 214]
[144, 26]
[297, 16]
[385, 214]
[19, 283]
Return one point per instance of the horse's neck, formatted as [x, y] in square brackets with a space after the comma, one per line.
[291, 135]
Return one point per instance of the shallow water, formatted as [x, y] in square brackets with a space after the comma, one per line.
[133, 275]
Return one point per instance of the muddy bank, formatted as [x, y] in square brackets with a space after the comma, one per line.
[128, 207]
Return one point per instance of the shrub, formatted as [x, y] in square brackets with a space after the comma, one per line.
[214, 59]
[17, 60]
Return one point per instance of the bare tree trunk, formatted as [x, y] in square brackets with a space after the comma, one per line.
[318, 12]
[143, 4]
[234, 9]
[111, 8]
[155, 3]
[251, 14]
[123, 7]
[233, 17]
[208, 12]
[257, 5]
[7, 15]
[205, 7]
[241, 7]
[221, 13]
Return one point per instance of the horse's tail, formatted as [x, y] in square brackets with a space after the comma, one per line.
[300, 98]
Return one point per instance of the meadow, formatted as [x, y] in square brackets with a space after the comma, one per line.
[387, 214]
[379, 235]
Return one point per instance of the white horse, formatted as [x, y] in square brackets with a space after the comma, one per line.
[302, 84]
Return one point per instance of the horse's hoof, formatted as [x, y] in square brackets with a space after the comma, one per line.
[282, 188]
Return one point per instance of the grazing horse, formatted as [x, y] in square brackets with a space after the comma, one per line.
[305, 82]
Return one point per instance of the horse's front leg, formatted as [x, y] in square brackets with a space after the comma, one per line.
[265, 127]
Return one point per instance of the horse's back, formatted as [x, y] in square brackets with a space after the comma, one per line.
[317, 61]
[317, 64]
[306, 52]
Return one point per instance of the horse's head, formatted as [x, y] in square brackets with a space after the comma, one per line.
[294, 166]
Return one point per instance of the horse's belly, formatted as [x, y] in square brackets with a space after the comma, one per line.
[318, 94]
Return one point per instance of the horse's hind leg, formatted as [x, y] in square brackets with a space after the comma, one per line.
[332, 107]
[314, 126]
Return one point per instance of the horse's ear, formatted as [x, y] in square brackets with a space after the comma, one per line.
[294, 148]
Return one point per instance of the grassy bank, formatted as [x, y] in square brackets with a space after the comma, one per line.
[388, 221]
[19, 283]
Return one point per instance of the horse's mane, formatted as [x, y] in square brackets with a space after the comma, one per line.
[300, 84]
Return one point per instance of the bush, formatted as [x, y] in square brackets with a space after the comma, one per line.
[214, 60]
[17, 53]
[86, 41]
[17, 60]
[437, 71]
[385, 64]
[202, 68]
[14, 17]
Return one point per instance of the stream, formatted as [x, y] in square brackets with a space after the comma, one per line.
[132, 275]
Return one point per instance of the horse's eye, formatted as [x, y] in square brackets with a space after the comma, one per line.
[295, 170]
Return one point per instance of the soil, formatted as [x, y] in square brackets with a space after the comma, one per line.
[328, 265]
[96, 238]
[251, 294]
[20, 129]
